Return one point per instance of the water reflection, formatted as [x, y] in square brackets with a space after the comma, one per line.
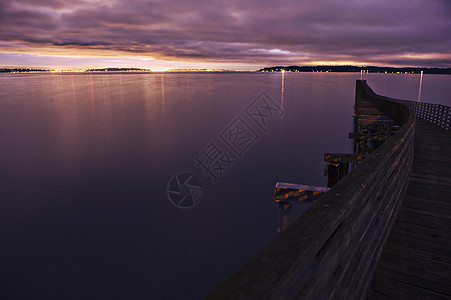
[163, 99]
[93, 101]
[282, 92]
[421, 84]
[188, 93]
[162, 87]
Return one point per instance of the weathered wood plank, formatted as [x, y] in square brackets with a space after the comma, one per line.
[415, 251]
[417, 258]
[417, 203]
[393, 288]
[368, 137]
[384, 123]
[292, 192]
[343, 158]
[423, 219]
[430, 249]
[420, 277]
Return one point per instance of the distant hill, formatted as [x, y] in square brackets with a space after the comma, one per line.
[355, 69]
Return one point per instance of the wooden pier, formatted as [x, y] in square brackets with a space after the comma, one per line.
[381, 231]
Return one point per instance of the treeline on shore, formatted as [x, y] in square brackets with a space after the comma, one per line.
[356, 69]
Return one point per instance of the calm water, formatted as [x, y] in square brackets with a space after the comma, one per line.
[86, 161]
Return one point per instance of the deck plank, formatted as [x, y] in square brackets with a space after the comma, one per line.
[416, 261]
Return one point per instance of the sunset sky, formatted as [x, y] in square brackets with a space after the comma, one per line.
[232, 34]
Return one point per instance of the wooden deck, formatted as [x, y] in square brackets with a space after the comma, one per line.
[416, 261]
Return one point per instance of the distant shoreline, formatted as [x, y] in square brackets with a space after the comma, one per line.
[356, 69]
[116, 70]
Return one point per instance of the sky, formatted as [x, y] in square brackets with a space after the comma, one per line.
[230, 34]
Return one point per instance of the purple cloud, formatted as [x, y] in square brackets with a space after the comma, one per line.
[259, 32]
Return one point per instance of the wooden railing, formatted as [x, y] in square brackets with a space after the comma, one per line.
[332, 250]
[434, 113]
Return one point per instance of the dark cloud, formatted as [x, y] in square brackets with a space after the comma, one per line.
[410, 32]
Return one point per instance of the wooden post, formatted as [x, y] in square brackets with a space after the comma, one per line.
[343, 170]
[332, 174]
[284, 215]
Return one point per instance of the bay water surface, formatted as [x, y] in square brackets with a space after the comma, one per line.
[86, 163]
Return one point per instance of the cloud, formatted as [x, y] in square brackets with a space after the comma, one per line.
[260, 32]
